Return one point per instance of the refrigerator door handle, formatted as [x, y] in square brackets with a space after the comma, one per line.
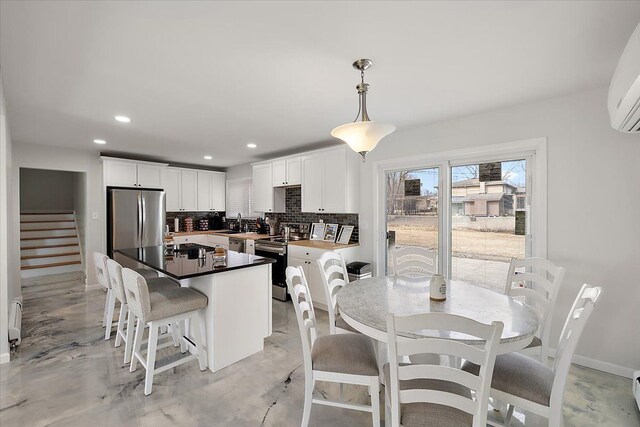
[139, 220]
[144, 219]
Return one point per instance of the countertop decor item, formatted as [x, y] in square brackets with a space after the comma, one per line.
[438, 288]
[317, 230]
[330, 233]
[363, 134]
[345, 234]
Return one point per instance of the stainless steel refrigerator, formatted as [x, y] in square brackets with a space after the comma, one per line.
[136, 218]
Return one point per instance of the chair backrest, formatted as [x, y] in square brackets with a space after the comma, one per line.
[100, 262]
[299, 290]
[136, 293]
[334, 276]
[543, 280]
[414, 261]
[114, 270]
[485, 357]
[581, 309]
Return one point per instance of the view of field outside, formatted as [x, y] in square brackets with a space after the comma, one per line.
[485, 233]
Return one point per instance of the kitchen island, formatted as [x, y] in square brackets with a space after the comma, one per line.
[238, 316]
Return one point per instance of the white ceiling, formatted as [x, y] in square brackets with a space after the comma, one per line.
[207, 78]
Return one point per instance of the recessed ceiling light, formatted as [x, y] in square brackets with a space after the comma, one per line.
[122, 119]
[251, 145]
[100, 141]
[208, 157]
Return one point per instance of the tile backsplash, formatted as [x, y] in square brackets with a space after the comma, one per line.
[293, 213]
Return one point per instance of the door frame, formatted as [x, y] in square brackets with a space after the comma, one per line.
[535, 148]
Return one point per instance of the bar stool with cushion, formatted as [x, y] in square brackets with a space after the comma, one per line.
[540, 292]
[526, 383]
[438, 395]
[334, 276]
[100, 263]
[414, 261]
[155, 284]
[163, 308]
[339, 358]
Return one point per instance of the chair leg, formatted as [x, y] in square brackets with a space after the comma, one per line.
[121, 320]
[387, 410]
[375, 402]
[106, 308]
[182, 329]
[137, 343]
[109, 319]
[308, 396]
[507, 418]
[151, 357]
[128, 343]
[199, 336]
[175, 334]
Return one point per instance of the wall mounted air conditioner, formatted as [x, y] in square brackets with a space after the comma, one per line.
[624, 92]
[15, 323]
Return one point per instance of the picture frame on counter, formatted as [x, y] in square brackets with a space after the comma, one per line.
[317, 230]
[345, 234]
[330, 233]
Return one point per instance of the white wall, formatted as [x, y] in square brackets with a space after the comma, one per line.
[9, 275]
[42, 189]
[57, 158]
[593, 205]
[240, 171]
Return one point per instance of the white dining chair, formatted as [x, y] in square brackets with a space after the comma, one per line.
[155, 284]
[163, 308]
[438, 395]
[526, 383]
[338, 358]
[334, 276]
[538, 281]
[414, 261]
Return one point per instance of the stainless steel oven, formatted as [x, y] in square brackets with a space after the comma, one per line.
[275, 248]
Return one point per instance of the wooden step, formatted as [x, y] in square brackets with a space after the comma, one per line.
[49, 220]
[49, 246]
[49, 237]
[48, 229]
[47, 213]
[53, 255]
[57, 264]
[48, 217]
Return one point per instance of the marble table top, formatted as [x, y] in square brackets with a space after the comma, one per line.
[368, 301]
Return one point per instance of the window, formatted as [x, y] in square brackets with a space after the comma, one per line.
[239, 198]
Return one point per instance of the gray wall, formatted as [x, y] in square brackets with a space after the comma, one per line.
[42, 189]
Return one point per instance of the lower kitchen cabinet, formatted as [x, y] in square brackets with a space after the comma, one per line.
[307, 258]
[215, 240]
[200, 239]
[250, 246]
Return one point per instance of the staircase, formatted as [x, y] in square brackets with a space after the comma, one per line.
[49, 244]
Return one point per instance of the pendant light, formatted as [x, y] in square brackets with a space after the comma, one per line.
[363, 134]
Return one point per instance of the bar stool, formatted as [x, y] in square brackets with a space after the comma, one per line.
[163, 308]
[155, 284]
[100, 262]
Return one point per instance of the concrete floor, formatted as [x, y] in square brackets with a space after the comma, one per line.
[65, 374]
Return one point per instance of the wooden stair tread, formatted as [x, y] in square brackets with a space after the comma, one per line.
[49, 237]
[50, 229]
[49, 246]
[55, 264]
[49, 255]
[46, 213]
[49, 220]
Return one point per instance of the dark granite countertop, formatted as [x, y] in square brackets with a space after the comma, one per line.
[186, 264]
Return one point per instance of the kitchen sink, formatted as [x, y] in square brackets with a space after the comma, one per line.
[227, 231]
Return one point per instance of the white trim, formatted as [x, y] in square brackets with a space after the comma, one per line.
[4, 358]
[599, 365]
[535, 148]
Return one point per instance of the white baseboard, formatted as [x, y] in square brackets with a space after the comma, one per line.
[88, 288]
[4, 358]
[598, 365]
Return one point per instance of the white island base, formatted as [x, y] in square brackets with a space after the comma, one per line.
[238, 317]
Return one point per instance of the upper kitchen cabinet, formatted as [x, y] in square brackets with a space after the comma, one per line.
[211, 191]
[131, 173]
[181, 188]
[330, 181]
[287, 171]
[266, 198]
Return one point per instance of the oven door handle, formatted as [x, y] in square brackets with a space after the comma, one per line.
[271, 249]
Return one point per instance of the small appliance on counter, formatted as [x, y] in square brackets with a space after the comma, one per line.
[215, 221]
[358, 270]
[261, 226]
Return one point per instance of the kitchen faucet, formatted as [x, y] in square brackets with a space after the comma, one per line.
[239, 219]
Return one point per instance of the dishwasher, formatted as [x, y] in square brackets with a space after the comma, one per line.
[236, 245]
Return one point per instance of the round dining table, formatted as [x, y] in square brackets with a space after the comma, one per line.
[364, 304]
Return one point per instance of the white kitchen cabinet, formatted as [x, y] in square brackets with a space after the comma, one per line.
[330, 181]
[181, 188]
[250, 246]
[286, 172]
[265, 197]
[211, 191]
[131, 173]
[215, 240]
[200, 239]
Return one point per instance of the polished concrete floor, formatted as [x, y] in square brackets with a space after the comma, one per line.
[65, 374]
